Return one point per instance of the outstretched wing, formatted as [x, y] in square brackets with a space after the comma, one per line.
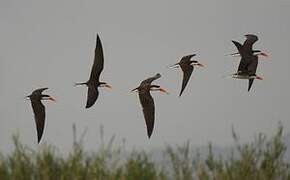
[187, 71]
[92, 97]
[239, 46]
[150, 80]
[147, 103]
[243, 62]
[39, 116]
[98, 65]
[38, 91]
[187, 58]
[248, 44]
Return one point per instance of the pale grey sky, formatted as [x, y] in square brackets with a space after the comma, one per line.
[51, 44]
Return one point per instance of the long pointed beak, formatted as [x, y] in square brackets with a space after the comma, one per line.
[51, 98]
[259, 78]
[163, 90]
[200, 65]
[264, 55]
[108, 86]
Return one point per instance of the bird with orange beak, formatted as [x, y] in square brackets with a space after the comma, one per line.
[187, 65]
[39, 110]
[249, 60]
[94, 83]
[147, 101]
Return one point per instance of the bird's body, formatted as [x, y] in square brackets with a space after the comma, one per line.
[249, 60]
[147, 101]
[187, 66]
[94, 83]
[39, 109]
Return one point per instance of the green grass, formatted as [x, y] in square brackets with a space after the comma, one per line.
[261, 159]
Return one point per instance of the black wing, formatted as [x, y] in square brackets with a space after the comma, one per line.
[151, 79]
[239, 46]
[248, 44]
[243, 65]
[251, 81]
[38, 91]
[252, 68]
[98, 65]
[39, 116]
[187, 58]
[187, 71]
[147, 103]
[243, 62]
[93, 94]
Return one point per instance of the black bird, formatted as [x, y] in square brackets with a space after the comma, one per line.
[147, 101]
[187, 66]
[94, 83]
[249, 60]
[39, 109]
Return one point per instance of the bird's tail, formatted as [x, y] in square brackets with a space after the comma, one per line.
[234, 54]
[78, 84]
[227, 75]
[174, 66]
[133, 90]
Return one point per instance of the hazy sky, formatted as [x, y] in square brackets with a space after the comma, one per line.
[51, 44]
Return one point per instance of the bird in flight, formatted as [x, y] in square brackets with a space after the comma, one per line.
[38, 109]
[249, 60]
[187, 66]
[147, 101]
[94, 83]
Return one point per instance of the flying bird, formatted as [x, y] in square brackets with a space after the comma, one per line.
[187, 66]
[39, 109]
[147, 101]
[94, 83]
[249, 60]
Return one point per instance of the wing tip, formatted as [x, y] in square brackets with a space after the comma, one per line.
[39, 136]
[149, 134]
[88, 106]
[251, 81]
[98, 39]
[150, 131]
[158, 75]
[249, 88]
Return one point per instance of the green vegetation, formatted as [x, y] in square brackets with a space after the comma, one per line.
[262, 159]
